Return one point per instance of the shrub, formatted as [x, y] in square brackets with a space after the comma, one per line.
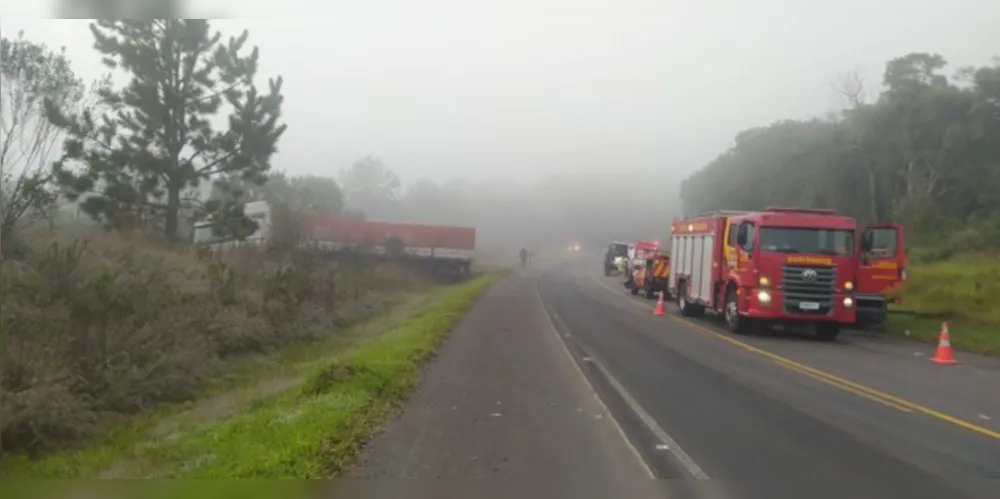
[93, 332]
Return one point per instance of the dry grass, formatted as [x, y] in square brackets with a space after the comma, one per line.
[306, 427]
[93, 332]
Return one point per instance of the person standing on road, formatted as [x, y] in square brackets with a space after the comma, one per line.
[524, 257]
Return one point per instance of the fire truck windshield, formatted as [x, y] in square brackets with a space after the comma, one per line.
[814, 241]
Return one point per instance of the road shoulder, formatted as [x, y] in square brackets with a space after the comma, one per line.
[504, 400]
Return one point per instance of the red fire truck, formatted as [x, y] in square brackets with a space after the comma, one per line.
[648, 270]
[784, 265]
[642, 251]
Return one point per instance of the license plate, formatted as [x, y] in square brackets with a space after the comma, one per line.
[809, 305]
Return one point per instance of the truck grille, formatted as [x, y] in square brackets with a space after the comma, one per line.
[800, 285]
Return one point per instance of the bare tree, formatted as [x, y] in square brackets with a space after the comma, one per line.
[29, 73]
[850, 85]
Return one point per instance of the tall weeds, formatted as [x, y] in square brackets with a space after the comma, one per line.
[90, 334]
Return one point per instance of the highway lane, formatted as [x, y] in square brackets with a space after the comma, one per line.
[558, 383]
[891, 369]
[767, 424]
[502, 411]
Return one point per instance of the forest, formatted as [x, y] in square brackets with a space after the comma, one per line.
[924, 152]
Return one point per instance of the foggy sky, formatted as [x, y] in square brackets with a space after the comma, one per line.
[523, 89]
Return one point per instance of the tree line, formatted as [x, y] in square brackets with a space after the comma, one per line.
[924, 152]
[151, 155]
[191, 136]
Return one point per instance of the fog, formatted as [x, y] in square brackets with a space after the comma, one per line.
[545, 122]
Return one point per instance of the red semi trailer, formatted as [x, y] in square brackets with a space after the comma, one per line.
[441, 247]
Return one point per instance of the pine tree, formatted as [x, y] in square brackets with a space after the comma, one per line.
[134, 164]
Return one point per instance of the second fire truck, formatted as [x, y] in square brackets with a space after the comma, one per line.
[650, 270]
[785, 265]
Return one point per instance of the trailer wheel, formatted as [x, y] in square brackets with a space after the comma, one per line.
[827, 331]
[735, 322]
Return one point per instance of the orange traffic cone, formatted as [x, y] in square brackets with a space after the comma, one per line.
[944, 354]
[660, 309]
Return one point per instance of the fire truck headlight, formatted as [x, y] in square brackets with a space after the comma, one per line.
[848, 285]
[764, 297]
[848, 302]
[764, 281]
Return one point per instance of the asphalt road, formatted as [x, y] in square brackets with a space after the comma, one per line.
[559, 383]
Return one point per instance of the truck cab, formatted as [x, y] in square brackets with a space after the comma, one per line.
[641, 251]
[881, 271]
[789, 265]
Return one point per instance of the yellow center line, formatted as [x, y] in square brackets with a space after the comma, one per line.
[829, 379]
[845, 388]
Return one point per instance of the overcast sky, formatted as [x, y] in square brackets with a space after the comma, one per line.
[526, 88]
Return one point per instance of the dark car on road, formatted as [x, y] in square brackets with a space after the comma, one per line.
[616, 252]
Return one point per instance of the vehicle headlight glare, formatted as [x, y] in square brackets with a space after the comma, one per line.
[764, 297]
[848, 285]
[848, 302]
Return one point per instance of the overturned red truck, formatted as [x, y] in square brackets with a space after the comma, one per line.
[785, 265]
[441, 249]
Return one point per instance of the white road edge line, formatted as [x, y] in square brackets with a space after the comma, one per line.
[651, 423]
[634, 405]
[611, 417]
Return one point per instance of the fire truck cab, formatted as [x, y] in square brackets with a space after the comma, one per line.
[641, 251]
[881, 271]
[781, 265]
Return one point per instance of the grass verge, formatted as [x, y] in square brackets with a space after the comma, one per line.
[962, 291]
[311, 429]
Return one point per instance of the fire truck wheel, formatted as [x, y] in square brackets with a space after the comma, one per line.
[682, 302]
[687, 308]
[735, 322]
[827, 331]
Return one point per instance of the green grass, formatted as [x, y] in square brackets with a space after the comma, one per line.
[160, 489]
[310, 430]
[963, 291]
